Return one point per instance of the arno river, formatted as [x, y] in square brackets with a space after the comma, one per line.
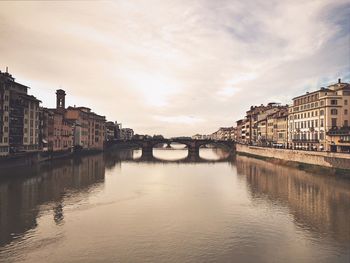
[111, 208]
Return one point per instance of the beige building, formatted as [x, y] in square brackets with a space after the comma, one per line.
[314, 118]
[224, 133]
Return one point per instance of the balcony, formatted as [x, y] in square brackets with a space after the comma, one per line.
[306, 140]
[339, 131]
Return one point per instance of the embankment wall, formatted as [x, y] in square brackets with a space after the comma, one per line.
[326, 159]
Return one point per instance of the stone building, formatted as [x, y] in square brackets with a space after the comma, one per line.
[257, 118]
[258, 126]
[315, 118]
[242, 131]
[19, 117]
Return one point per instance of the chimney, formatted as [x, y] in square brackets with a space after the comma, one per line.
[339, 80]
[7, 69]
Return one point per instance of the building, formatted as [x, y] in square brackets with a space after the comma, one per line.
[197, 137]
[242, 134]
[19, 117]
[277, 128]
[224, 133]
[256, 131]
[126, 134]
[111, 130]
[318, 120]
[56, 131]
[77, 127]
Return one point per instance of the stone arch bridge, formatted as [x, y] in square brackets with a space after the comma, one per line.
[193, 146]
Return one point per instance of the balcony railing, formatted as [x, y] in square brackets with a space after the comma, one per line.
[306, 140]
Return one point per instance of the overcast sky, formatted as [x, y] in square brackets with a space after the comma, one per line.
[175, 67]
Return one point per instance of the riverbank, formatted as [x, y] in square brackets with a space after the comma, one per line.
[335, 163]
[32, 158]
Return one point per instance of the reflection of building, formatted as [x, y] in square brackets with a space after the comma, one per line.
[316, 202]
[314, 117]
[20, 199]
[19, 117]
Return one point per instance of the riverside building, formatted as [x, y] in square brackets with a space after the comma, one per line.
[319, 120]
[19, 117]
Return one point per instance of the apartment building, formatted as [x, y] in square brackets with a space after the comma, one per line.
[318, 119]
[19, 117]
[57, 131]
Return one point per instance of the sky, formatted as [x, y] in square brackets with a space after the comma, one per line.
[175, 67]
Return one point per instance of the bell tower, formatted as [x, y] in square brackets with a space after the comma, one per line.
[60, 99]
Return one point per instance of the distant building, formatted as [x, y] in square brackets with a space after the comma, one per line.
[224, 133]
[126, 134]
[111, 130]
[256, 129]
[19, 117]
[196, 136]
[320, 120]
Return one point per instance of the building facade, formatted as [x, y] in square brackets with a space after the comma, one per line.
[315, 117]
[19, 117]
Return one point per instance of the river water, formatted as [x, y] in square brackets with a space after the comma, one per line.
[114, 208]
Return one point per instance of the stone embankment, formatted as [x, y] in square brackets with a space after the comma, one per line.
[325, 159]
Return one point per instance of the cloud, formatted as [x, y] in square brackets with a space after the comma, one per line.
[154, 64]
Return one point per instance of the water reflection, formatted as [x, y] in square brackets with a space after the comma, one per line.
[119, 207]
[319, 203]
[23, 191]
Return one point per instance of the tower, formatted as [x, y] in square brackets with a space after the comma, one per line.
[60, 99]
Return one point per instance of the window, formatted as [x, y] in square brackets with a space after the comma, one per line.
[321, 112]
[346, 123]
[334, 111]
[345, 102]
[322, 103]
[334, 102]
[334, 122]
[345, 111]
[316, 123]
[321, 136]
[321, 123]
